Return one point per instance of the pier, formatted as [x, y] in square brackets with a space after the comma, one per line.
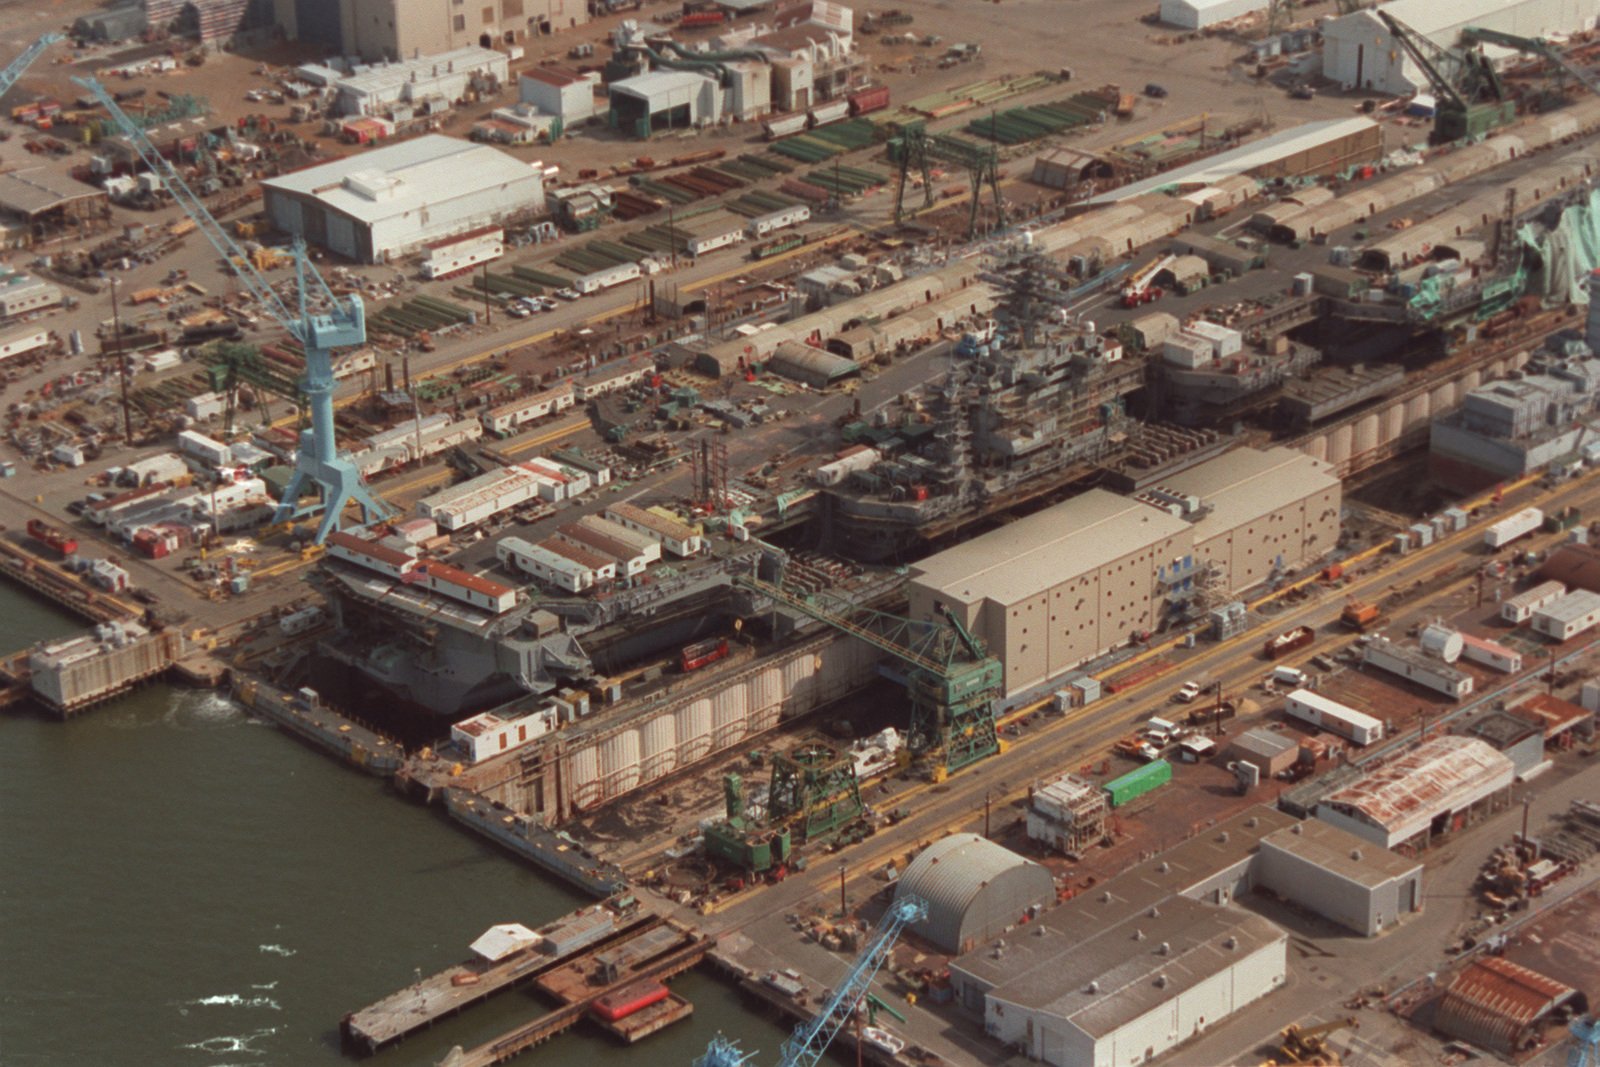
[574, 961]
[309, 719]
[39, 575]
[552, 851]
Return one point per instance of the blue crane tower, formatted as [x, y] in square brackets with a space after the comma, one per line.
[1585, 1050]
[19, 66]
[336, 479]
[812, 1037]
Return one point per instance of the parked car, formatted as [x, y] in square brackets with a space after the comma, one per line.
[567, 294]
[1155, 91]
[1187, 694]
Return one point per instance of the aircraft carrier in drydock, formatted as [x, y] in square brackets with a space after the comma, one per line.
[1029, 404]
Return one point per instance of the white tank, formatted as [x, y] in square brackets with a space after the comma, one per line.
[1441, 642]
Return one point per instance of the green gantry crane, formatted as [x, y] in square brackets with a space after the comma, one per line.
[913, 148]
[950, 677]
[1471, 98]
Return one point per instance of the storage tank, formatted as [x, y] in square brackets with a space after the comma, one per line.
[1441, 642]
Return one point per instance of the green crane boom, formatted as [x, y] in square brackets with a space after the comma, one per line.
[951, 678]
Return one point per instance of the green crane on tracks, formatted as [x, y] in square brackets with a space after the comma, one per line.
[951, 678]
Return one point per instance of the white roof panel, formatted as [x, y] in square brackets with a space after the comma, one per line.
[406, 177]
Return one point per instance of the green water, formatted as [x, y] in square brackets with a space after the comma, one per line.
[182, 886]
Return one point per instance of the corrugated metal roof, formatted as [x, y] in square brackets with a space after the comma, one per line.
[815, 365]
[410, 177]
[1438, 775]
[1576, 566]
[952, 873]
[1495, 1002]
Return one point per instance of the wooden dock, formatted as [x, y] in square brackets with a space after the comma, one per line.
[48, 581]
[515, 1042]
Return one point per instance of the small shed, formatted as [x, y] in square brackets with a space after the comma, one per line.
[1518, 739]
[1185, 273]
[505, 939]
[1148, 332]
[975, 890]
[1268, 751]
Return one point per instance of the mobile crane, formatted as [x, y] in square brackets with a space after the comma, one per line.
[342, 324]
[1471, 98]
[1140, 288]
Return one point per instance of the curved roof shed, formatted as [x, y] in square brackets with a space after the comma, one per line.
[975, 889]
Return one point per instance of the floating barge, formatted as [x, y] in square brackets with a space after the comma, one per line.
[305, 716]
[554, 852]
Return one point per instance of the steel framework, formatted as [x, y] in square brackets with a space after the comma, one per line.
[814, 789]
[915, 148]
[19, 66]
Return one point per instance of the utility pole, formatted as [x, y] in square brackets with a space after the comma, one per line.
[122, 364]
[844, 907]
[488, 315]
[986, 813]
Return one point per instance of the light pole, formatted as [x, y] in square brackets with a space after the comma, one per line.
[122, 363]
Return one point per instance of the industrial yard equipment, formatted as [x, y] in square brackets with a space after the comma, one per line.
[19, 66]
[341, 324]
[814, 790]
[950, 676]
[916, 149]
[1472, 100]
[1141, 288]
[1309, 1044]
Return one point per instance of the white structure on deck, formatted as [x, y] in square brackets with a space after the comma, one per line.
[1358, 50]
[377, 205]
[675, 536]
[426, 83]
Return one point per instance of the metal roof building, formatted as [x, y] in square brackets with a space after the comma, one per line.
[1075, 988]
[975, 889]
[381, 204]
[1427, 791]
[1340, 876]
[813, 366]
[1500, 1005]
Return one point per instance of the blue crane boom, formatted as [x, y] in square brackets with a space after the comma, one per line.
[19, 66]
[812, 1037]
[338, 481]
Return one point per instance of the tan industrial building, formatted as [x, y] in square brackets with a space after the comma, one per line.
[1072, 582]
[401, 29]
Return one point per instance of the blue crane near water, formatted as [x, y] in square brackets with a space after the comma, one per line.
[19, 66]
[342, 324]
[813, 1036]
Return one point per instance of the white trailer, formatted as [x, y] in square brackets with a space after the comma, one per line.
[546, 566]
[457, 255]
[507, 417]
[1333, 716]
[362, 359]
[1414, 665]
[1569, 616]
[22, 344]
[779, 220]
[1512, 527]
[1520, 608]
[607, 277]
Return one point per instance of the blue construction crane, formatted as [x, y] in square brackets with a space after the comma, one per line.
[812, 1037]
[1585, 1050]
[338, 482]
[19, 66]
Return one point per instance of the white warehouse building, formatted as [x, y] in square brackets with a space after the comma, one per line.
[1359, 51]
[385, 203]
[1079, 989]
[1198, 14]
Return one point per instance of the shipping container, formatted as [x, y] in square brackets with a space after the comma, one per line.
[1512, 527]
[25, 343]
[1333, 716]
[869, 100]
[1135, 784]
[1288, 641]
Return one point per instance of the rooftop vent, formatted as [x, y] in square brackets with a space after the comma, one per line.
[1138, 935]
[1231, 942]
[1165, 867]
[1161, 981]
[1092, 987]
[1165, 949]
[1296, 829]
[1223, 837]
[1355, 853]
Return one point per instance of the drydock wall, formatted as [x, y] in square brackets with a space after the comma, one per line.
[1355, 443]
[614, 752]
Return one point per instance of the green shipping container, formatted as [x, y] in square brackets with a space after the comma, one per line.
[1135, 784]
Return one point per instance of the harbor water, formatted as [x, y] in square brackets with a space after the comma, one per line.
[183, 886]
